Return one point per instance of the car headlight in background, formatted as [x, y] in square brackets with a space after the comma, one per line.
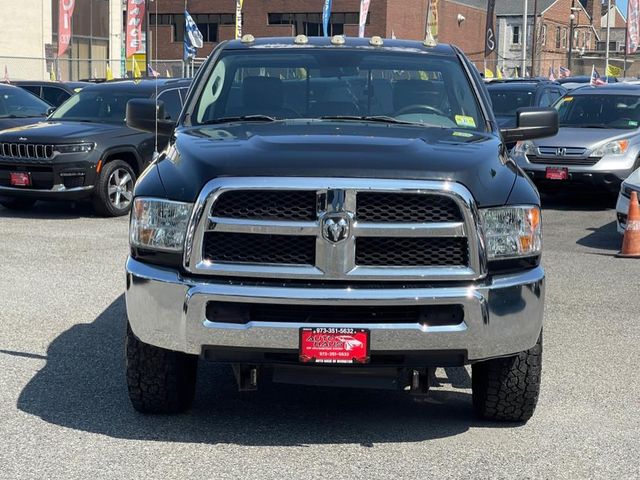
[74, 148]
[525, 148]
[159, 224]
[512, 231]
[617, 147]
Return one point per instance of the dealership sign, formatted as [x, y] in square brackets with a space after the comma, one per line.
[65, 12]
[135, 17]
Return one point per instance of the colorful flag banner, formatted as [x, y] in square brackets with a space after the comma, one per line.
[65, 13]
[135, 17]
[135, 68]
[596, 79]
[326, 15]
[564, 72]
[490, 34]
[498, 73]
[393, 35]
[488, 73]
[239, 18]
[613, 71]
[633, 26]
[193, 39]
[552, 74]
[431, 36]
[52, 74]
[364, 11]
[109, 74]
[152, 73]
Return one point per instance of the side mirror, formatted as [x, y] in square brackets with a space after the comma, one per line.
[141, 115]
[531, 123]
[50, 110]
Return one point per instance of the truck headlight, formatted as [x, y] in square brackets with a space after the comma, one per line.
[617, 147]
[159, 224]
[512, 231]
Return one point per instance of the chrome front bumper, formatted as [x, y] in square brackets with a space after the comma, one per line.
[502, 315]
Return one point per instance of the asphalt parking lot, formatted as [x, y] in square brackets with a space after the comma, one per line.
[64, 411]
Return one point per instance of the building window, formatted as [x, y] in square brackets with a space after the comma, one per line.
[543, 34]
[558, 35]
[564, 38]
[515, 38]
[207, 23]
[310, 24]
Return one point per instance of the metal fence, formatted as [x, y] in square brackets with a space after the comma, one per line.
[29, 68]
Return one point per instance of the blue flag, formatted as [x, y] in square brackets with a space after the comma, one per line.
[192, 37]
[326, 14]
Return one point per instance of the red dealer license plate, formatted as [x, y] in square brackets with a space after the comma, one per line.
[19, 179]
[334, 345]
[553, 173]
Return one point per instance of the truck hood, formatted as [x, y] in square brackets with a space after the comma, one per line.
[57, 132]
[314, 148]
[6, 123]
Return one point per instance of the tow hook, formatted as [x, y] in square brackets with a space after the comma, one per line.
[246, 377]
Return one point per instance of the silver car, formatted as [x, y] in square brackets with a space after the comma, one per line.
[598, 144]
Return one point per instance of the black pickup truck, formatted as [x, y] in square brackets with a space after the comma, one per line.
[336, 211]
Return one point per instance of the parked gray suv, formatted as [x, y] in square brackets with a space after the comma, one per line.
[598, 144]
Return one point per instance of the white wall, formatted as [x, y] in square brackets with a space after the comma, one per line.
[25, 27]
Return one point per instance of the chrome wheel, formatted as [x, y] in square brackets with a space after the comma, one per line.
[120, 188]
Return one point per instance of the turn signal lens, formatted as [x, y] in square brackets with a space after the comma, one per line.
[617, 147]
[512, 231]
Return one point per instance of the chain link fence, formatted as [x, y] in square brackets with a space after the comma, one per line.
[63, 69]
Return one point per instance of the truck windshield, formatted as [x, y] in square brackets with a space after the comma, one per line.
[400, 87]
[599, 111]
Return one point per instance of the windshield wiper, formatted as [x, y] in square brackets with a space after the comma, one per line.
[240, 118]
[371, 118]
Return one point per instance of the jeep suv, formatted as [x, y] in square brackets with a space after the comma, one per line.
[84, 150]
[336, 211]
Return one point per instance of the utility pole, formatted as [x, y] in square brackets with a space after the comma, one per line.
[534, 44]
[606, 58]
[572, 17]
[524, 38]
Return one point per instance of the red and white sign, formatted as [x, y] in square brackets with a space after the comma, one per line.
[65, 13]
[135, 19]
[20, 179]
[334, 345]
[557, 173]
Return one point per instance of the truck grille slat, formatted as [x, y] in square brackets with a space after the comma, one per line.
[414, 208]
[30, 151]
[247, 248]
[413, 252]
[267, 205]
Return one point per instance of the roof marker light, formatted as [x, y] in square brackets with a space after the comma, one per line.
[376, 41]
[248, 38]
[337, 40]
[301, 40]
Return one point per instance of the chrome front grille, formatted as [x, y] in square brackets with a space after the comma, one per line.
[562, 156]
[335, 229]
[29, 151]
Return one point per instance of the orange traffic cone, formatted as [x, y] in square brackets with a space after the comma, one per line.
[631, 242]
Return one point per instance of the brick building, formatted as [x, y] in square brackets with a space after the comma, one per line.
[460, 21]
[553, 26]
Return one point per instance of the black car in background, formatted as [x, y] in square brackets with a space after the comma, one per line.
[18, 107]
[507, 96]
[55, 93]
[84, 150]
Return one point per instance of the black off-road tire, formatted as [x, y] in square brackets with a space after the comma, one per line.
[159, 380]
[507, 389]
[102, 204]
[17, 203]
